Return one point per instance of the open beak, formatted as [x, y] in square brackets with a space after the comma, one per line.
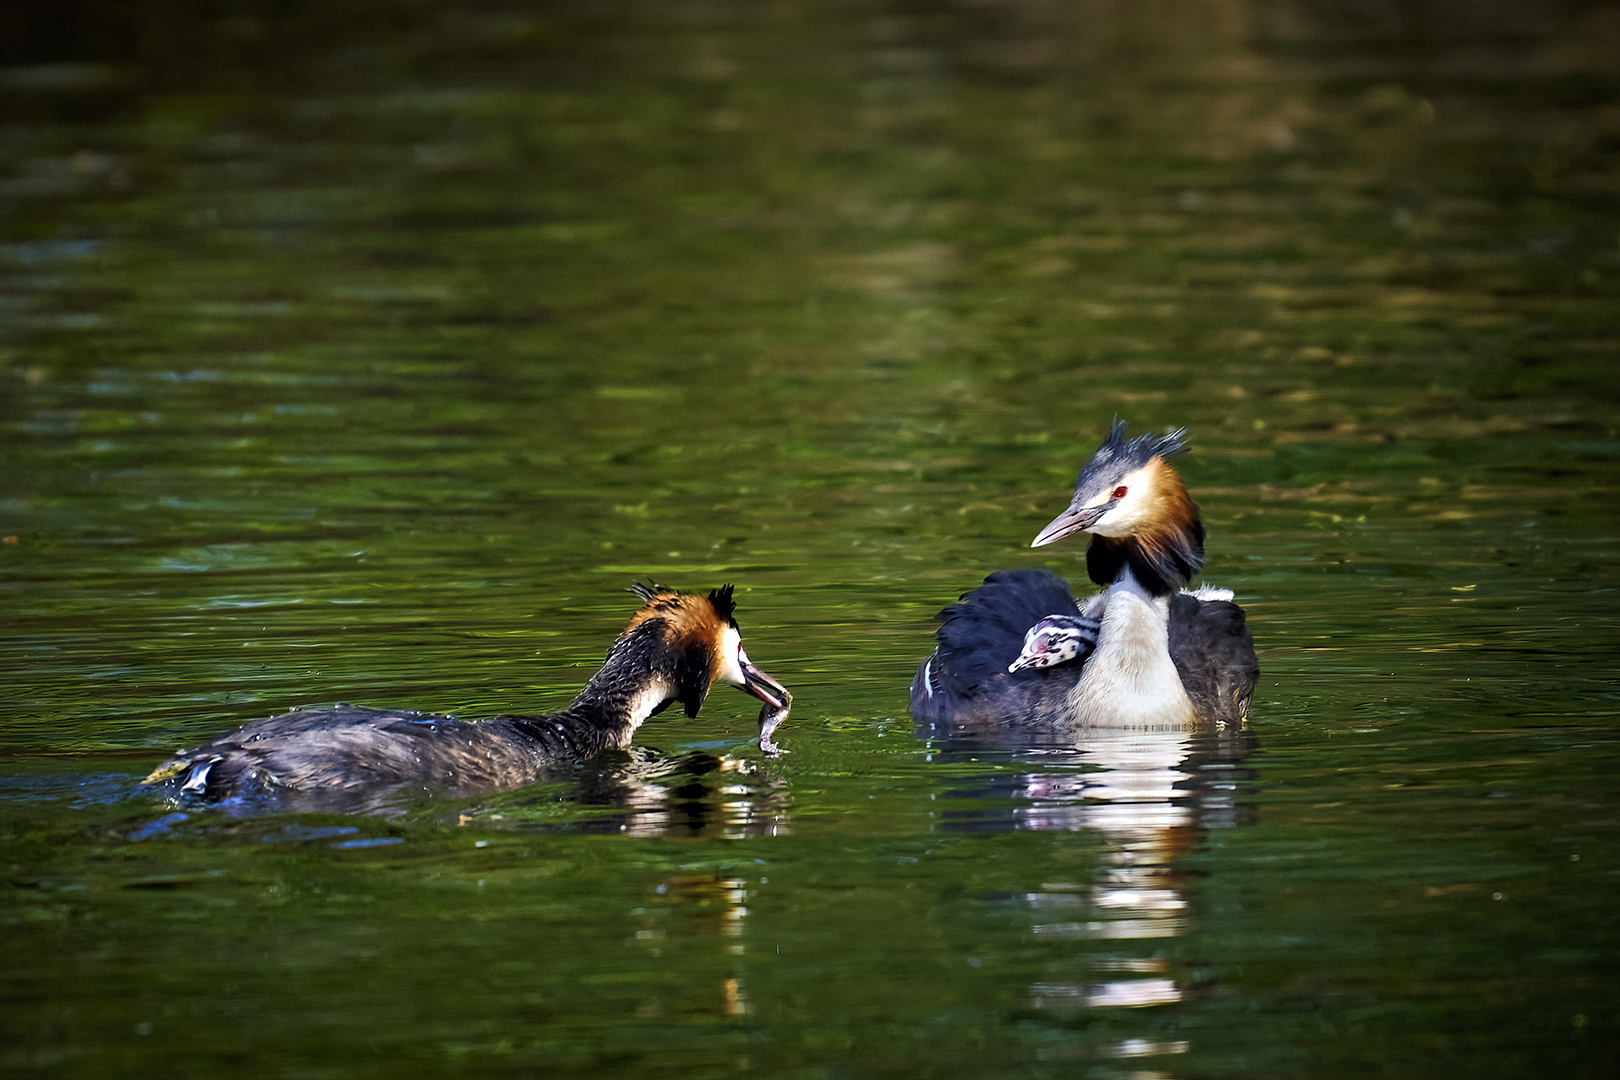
[762, 686]
[1074, 519]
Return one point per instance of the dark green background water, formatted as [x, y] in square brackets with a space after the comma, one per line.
[368, 351]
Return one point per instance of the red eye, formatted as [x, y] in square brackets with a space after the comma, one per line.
[1119, 492]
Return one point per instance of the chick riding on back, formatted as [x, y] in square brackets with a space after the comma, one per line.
[1145, 652]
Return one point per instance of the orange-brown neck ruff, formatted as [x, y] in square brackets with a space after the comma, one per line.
[1166, 552]
[692, 629]
[689, 620]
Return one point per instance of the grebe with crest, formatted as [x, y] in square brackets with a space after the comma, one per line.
[1143, 653]
[674, 648]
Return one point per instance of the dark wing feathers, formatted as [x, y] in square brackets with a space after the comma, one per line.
[1213, 651]
[966, 680]
[349, 747]
[982, 634]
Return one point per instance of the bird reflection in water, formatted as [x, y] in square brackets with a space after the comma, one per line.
[644, 793]
[1151, 796]
[724, 797]
[719, 903]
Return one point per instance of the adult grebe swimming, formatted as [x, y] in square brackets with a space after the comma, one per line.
[673, 649]
[1144, 652]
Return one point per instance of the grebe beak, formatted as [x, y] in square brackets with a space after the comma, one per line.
[762, 686]
[1074, 519]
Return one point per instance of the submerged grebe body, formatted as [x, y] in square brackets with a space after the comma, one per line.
[673, 649]
[1143, 653]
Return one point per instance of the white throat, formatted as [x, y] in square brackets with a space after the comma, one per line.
[648, 698]
[1129, 681]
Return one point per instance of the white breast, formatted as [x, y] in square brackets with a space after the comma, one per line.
[1129, 681]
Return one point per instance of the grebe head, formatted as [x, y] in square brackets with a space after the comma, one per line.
[1127, 488]
[1132, 501]
[696, 643]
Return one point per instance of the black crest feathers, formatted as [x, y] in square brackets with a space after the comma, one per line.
[1118, 455]
[721, 599]
[648, 590]
[724, 605]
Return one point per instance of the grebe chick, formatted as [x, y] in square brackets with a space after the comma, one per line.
[1055, 640]
[1144, 652]
[673, 649]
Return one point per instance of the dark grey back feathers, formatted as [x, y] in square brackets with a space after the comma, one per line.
[1213, 651]
[966, 678]
[965, 682]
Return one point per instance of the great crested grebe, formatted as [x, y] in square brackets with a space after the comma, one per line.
[1144, 652]
[673, 649]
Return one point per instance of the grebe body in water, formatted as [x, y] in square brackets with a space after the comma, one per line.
[1143, 653]
[673, 649]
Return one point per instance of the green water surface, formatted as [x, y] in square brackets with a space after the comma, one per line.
[369, 351]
